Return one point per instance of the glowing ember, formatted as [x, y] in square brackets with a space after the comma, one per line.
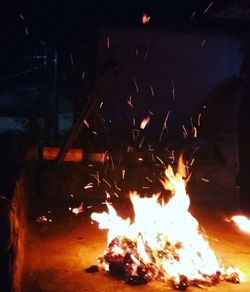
[77, 210]
[163, 242]
[145, 18]
[242, 222]
[144, 122]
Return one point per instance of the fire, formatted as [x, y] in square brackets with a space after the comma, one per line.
[242, 222]
[163, 242]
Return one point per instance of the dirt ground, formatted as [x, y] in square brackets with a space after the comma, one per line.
[58, 252]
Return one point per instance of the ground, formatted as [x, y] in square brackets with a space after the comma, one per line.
[58, 253]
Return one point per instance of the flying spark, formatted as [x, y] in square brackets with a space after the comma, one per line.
[145, 18]
[108, 42]
[173, 88]
[86, 123]
[152, 91]
[136, 86]
[193, 15]
[209, 6]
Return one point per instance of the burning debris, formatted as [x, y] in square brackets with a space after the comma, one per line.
[164, 242]
[77, 210]
[242, 222]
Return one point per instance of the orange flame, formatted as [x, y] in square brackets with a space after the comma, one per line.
[164, 234]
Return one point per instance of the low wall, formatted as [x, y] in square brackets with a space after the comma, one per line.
[12, 237]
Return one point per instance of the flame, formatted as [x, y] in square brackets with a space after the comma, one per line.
[163, 241]
[242, 222]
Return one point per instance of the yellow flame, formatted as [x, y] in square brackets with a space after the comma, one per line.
[242, 222]
[165, 227]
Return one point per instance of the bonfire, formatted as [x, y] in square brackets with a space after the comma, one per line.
[164, 241]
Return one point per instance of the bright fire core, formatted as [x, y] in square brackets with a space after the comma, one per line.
[163, 242]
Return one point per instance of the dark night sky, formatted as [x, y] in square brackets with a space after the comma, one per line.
[55, 20]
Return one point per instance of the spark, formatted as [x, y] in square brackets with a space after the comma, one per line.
[205, 11]
[83, 75]
[116, 195]
[199, 120]
[137, 52]
[104, 156]
[120, 159]
[71, 59]
[101, 104]
[203, 43]
[21, 16]
[78, 210]
[89, 207]
[147, 178]
[193, 15]
[192, 162]
[184, 131]
[160, 160]
[164, 127]
[191, 122]
[129, 101]
[26, 30]
[123, 173]
[145, 56]
[133, 122]
[112, 163]
[136, 86]
[142, 141]
[86, 123]
[129, 149]
[205, 179]
[151, 113]
[108, 42]
[106, 182]
[144, 122]
[173, 88]
[88, 186]
[41, 219]
[195, 132]
[140, 159]
[196, 149]
[152, 91]
[94, 132]
[107, 195]
[98, 178]
[116, 186]
[145, 18]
